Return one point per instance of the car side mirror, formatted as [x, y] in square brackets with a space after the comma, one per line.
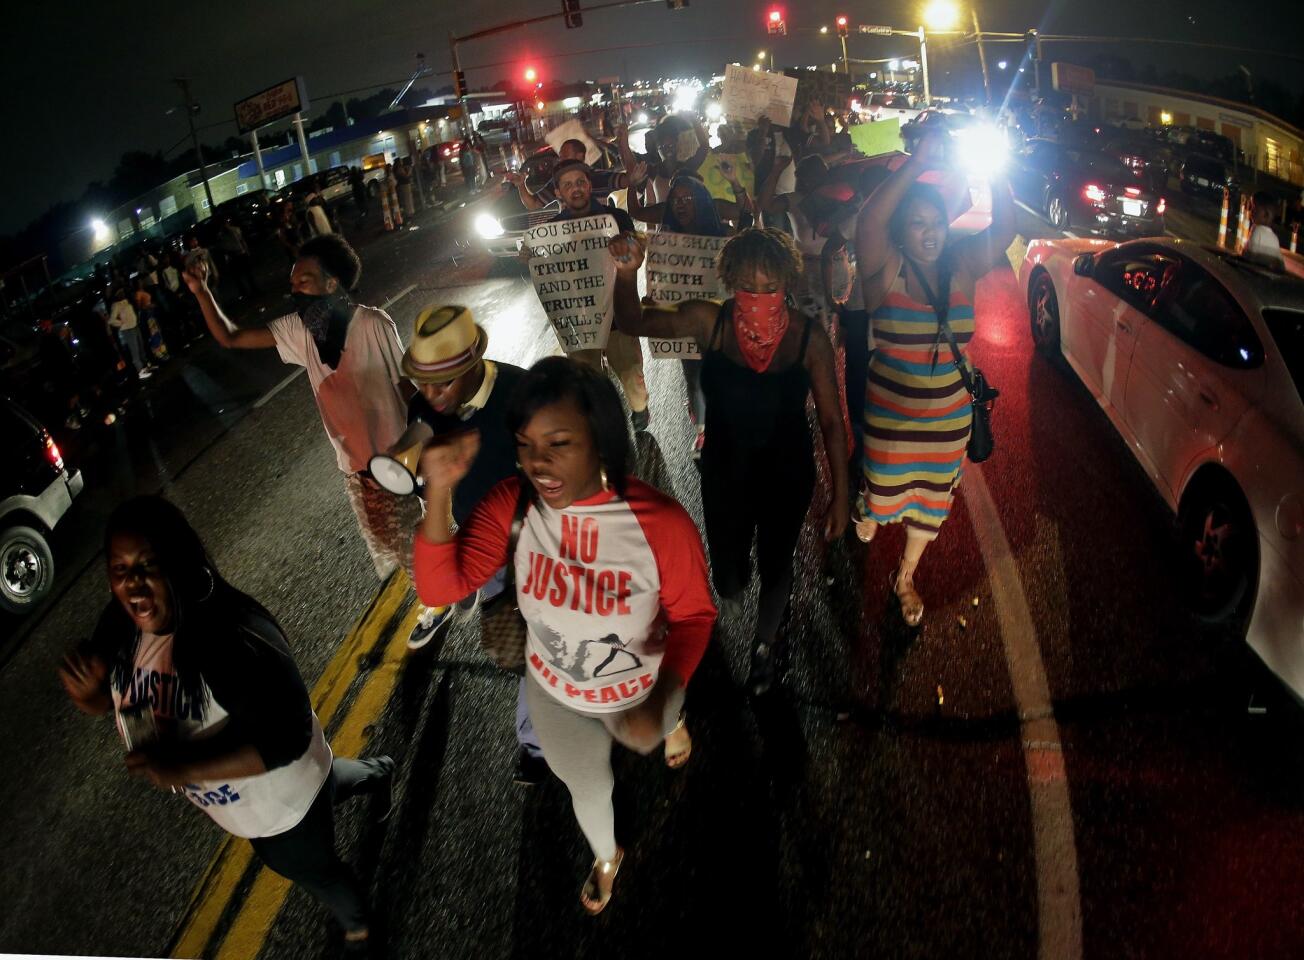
[1084, 264]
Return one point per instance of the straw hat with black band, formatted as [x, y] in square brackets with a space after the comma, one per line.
[446, 343]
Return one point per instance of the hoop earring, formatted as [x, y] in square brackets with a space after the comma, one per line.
[212, 585]
[602, 475]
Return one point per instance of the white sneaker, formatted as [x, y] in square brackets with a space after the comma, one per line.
[145, 374]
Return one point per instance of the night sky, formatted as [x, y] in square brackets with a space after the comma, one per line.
[85, 82]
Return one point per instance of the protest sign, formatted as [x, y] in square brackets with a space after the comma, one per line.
[879, 137]
[682, 266]
[715, 181]
[574, 130]
[574, 278]
[749, 93]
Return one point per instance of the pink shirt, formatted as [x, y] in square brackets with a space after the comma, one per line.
[359, 401]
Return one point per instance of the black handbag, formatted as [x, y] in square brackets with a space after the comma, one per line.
[981, 393]
[502, 629]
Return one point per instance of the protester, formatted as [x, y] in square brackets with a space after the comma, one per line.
[623, 353]
[125, 323]
[234, 248]
[1263, 240]
[570, 150]
[403, 183]
[761, 360]
[459, 390]
[358, 188]
[353, 358]
[466, 161]
[917, 409]
[208, 700]
[315, 213]
[610, 579]
[155, 346]
[197, 253]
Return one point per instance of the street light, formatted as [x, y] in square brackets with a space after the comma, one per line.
[761, 55]
[941, 15]
[824, 29]
[1001, 64]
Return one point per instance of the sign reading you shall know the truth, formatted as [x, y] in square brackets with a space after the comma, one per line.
[682, 266]
[575, 277]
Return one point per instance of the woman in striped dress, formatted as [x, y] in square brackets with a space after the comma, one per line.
[917, 413]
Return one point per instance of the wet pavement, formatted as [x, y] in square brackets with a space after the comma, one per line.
[877, 804]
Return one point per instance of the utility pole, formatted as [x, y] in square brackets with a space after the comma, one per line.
[846, 68]
[923, 65]
[1036, 64]
[982, 54]
[184, 83]
[464, 121]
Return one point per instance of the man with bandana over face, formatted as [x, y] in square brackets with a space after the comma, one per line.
[353, 357]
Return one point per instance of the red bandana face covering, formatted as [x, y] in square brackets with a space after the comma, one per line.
[760, 321]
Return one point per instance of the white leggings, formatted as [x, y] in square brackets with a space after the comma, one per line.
[577, 747]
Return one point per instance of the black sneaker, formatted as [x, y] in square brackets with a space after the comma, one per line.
[640, 419]
[531, 769]
[432, 624]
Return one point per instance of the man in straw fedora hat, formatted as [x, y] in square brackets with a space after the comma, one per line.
[353, 357]
[459, 390]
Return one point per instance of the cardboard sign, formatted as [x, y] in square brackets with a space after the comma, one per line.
[749, 93]
[679, 267]
[715, 181]
[879, 137]
[574, 278]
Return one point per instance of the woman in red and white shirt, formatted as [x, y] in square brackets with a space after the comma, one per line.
[610, 578]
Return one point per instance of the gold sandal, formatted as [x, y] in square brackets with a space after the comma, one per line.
[680, 757]
[912, 604]
[591, 896]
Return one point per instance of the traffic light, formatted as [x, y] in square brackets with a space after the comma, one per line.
[571, 8]
[459, 83]
[842, 25]
[774, 22]
[531, 75]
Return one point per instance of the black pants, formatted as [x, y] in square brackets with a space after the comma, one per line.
[855, 328]
[305, 854]
[763, 495]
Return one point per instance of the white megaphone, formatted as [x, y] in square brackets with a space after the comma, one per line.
[396, 470]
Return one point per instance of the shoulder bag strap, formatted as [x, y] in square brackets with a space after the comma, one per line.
[943, 328]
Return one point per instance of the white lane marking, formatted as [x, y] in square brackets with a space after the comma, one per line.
[1059, 904]
[262, 401]
[398, 296]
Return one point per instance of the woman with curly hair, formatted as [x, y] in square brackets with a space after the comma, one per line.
[761, 359]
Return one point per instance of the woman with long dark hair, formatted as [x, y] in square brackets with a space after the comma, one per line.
[917, 283]
[609, 576]
[761, 360]
[210, 704]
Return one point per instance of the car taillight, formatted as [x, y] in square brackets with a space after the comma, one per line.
[1132, 191]
[52, 453]
[1093, 193]
[1163, 205]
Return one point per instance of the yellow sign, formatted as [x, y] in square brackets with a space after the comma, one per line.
[715, 181]
[881, 136]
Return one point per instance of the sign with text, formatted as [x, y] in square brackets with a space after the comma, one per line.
[750, 93]
[1070, 78]
[682, 266]
[574, 278]
[275, 103]
[877, 29]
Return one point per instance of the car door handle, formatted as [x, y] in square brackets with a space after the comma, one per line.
[1122, 325]
[1209, 399]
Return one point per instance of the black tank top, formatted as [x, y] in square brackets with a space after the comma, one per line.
[751, 411]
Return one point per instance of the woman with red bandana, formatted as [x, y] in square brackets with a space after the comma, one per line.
[761, 359]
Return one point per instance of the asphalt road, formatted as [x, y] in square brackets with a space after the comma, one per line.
[891, 799]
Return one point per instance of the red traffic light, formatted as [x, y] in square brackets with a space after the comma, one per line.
[842, 21]
[776, 15]
[531, 75]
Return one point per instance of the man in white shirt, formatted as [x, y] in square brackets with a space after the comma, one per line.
[1263, 241]
[353, 357]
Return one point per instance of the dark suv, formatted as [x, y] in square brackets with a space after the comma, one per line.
[36, 490]
[1205, 177]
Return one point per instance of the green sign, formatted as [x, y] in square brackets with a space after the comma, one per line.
[878, 137]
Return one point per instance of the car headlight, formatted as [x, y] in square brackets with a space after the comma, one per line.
[488, 227]
[982, 149]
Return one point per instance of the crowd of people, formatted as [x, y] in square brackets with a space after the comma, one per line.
[853, 302]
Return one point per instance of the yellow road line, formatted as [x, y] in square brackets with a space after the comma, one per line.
[249, 930]
[216, 887]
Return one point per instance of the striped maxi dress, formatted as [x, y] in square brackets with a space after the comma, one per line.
[917, 413]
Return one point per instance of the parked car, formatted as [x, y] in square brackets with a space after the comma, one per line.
[251, 212]
[36, 490]
[1085, 190]
[1202, 176]
[1148, 159]
[1197, 358]
[1212, 144]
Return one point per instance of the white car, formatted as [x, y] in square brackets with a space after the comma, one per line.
[1197, 356]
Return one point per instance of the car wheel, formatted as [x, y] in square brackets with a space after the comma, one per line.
[1043, 313]
[1218, 552]
[1057, 213]
[26, 569]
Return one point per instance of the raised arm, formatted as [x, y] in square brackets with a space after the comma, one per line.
[653, 213]
[765, 201]
[872, 241]
[984, 251]
[703, 146]
[692, 318]
[222, 329]
[528, 200]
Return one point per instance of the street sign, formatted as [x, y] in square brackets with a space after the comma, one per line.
[275, 103]
[1070, 78]
[876, 29]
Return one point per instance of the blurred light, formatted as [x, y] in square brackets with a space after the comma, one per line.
[824, 29]
[1163, 205]
[983, 149]
[1001, 64]
[1164, 115]
[776, 15]
[570, 103]
[531, 74]
[685, 99]
[1093, 193]
[760, 55]
[855, 104]
[841, 21]
[99, 226]
[538, 104]
[873, 76]
[1021, 69]
[642, 118]
[488, 227]
[714, 111]
[941, 15]
[756, 67]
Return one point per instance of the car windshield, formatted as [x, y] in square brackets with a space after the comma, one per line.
[1101, 165]
[1205, 168]
[1287, 329]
